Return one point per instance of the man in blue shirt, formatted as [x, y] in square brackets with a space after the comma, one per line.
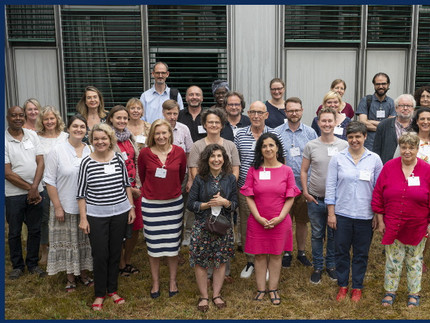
[153, 98]
[294, 136]
[379, 108]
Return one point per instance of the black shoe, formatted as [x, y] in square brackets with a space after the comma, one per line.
[316, 276]
[37, 270]
[303, 259]
[286, 261]
[16, 273]
[173, 293]
[155, 294]
[331, 272]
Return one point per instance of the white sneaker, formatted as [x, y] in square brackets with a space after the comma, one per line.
[247, 271]
[186, 241]
[267, 275]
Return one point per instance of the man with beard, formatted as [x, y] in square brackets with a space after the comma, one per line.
[372, 109]
[23, 171]
[389, 130]
[294, 136]
[153, 98]
[234, 105]
[191, 115]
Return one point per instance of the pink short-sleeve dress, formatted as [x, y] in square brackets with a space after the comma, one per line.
[269, 196]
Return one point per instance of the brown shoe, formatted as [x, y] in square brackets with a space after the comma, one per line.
[219, 305]
[203, 308]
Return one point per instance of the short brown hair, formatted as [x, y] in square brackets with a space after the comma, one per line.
[409, 138]
[170, 104]
[327, 110]
[294, 100]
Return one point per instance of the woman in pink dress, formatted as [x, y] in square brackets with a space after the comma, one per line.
[270, 190]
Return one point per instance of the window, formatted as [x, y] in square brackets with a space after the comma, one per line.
[103, 48]
[192, 40]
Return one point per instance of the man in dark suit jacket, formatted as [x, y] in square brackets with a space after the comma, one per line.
[389, 130]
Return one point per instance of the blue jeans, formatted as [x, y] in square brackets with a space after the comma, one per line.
[318, 218]
[358, 235]
[18, 211]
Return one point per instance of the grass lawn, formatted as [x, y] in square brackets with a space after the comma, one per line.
[32, 298]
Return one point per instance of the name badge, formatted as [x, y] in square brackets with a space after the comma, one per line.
[414, 181]
[161, 173]
[338, 131]
[140, 139]
[235, 130]
[253, 145]
[380, 114]
[216, 210]
[200, 129]
[295, 151]
[109, 169]
[124, 155]
[365, 175]
[331, 151]
[28, 144]
[264, 175]
[285, 120]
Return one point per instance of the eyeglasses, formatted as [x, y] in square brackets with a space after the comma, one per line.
[260, 113]
[293, 111]
[381, 84]
[277, 89]
[231, 105]
[402, 106]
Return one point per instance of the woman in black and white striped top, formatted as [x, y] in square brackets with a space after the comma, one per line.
[105, 206]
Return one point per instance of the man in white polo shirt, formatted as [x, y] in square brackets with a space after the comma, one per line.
[23, 173]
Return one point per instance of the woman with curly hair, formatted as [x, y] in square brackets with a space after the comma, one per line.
[213, 193]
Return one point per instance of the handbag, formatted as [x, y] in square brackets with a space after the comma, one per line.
[218, 224]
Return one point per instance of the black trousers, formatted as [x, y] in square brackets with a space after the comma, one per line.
[106, 235]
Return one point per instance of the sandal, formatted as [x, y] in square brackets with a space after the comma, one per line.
[87, 281]
[124, 272]
[388, 301]
[259, 293]
[71, 286]
[274, 299]
[219, 305]
[118, 300]
[131, 270]
[417, 300]
[97, 307]
[203, 308]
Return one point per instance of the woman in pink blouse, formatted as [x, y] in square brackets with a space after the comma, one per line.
[401, 203]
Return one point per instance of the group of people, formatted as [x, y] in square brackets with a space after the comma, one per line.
[184, 176]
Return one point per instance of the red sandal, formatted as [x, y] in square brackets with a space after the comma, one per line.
[119, 300]
[97, 307]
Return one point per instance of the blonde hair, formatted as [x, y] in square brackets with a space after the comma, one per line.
[39, 122]
[107, 130]
[31, 100]
[82, 108]
[133, 101]
[150, 141]
[332, 95]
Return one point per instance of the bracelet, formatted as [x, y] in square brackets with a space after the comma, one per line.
[133, 206]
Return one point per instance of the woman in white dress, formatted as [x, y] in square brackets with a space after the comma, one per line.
[49, 126]
[70, 249]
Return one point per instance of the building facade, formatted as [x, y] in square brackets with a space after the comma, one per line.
[54, 51]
